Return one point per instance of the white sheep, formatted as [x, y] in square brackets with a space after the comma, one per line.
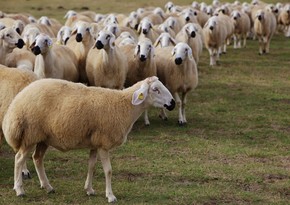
[106, 65]
[177, 69]
[146, 30]
[80, 43]
[66, 116]
[9, 39]
[164, 40]
[53, 60]
[20, 58]
[173, 23]
[264, 26]
[125, 38]
[191, 33]
[284, 19]
[63, 35]
[214, 34]
[12, 81]
[141, 64]
[242, 24]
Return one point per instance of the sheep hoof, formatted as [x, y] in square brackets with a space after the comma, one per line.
[91, 193]
[264, 51]
[21, 195]
[26, 175]
[180, 123]
[112, 199]
[51, 191]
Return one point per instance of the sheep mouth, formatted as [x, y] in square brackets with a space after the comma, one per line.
[20, 43]
[171, 106]
[36, 50]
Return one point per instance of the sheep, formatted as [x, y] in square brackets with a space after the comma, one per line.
[214, 34]
[125, 37]
[72, 17]
[242, 27]
[29, 34]
[117, 30]
[63, 35]
[53, 24]
[164, 27]
[80, 43]
[106, 66]
[177, 70]
[9, 39]
[20, 58]
[173, 23]
[264, 26]
[191, 33]
[141, 64]
[12, 81]
[284, 18]
[131, 21]
[48, 113]
[164, 40]
[146, 30]
[53, 60]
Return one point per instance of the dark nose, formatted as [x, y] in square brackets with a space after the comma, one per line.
[18, 30]
[178, 61]
[142, 58]
[36, 50]
[20, 43]
[171, 106]
[136, 27]
[79, 37]
[99, 45]
[187, 18]
[65, 41]
[260, 18]
[192, 34]
[211, 27]
[235, 18]
[145, 31]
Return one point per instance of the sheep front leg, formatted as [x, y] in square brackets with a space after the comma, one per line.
[20, 159]
[92, 162]
[146, 118]
[211, 55]
[104, 155]
[260, 46]
[178, 103]
[184, 100]
[38, 156]
[267, 46]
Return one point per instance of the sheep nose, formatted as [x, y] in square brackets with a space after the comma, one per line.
[235, 18]
[260, 18]
[65, 41]
[79, 37]
[99, 45]
[187, 18]
[145, 31]
[136, 27]
[18, 30]
[20, 43]
[192, 34]
[171, 106]
[211, 27]
[142, 58]
[178, 61]
[36, 50]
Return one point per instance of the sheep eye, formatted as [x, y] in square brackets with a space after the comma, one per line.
[156, 90]
[108, 36]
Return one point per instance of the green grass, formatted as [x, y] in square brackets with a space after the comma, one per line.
[235, 148]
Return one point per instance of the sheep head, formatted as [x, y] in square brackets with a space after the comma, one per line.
[81, 29]
[181, 52]
[153, 92]
[144, 49]
[145, 26]
[11, 38]
[260, 15]
[190, 30]
[41, 44]
[63, 35]
[164, 40]
[105, 39]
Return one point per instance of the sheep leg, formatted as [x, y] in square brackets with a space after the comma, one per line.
[162, 114]
[260, 46]
[211, 55]
[235, 41]
[146, 118]
[105, 159]
[20, 159]
[267, 46]
[179, 104]
[25, 172]
[92, 162]
[38, 156]
[184, 100]
[239, 41]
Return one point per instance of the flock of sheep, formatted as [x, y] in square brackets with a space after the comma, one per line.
[84, 84]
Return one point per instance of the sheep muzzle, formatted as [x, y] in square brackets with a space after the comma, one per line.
[211, 27]
[20, 43]
[192, 34]
[99, 45]
[142, 58]
[36, 50]
[178, 61]
[187, 18]
[144, 31]
[79, 37]
[171, 106]
[259, 18]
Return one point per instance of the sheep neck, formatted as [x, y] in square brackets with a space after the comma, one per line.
[4, 50]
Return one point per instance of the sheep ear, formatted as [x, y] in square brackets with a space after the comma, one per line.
[157, 41]
[173, 52]
[1, 35]
[189, 53]
[112, 42]
[139, 28]
[140, 95]
[172, 41]
[32, 45]
[49, 42]
[74, 31]
[152, 51]
[137, 50]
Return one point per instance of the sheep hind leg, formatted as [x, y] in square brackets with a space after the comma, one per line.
[25, 172]
[105, 159]
[92, 162]
[38, 156]
[20, 159]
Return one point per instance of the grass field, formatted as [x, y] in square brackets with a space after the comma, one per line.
[235, 148]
